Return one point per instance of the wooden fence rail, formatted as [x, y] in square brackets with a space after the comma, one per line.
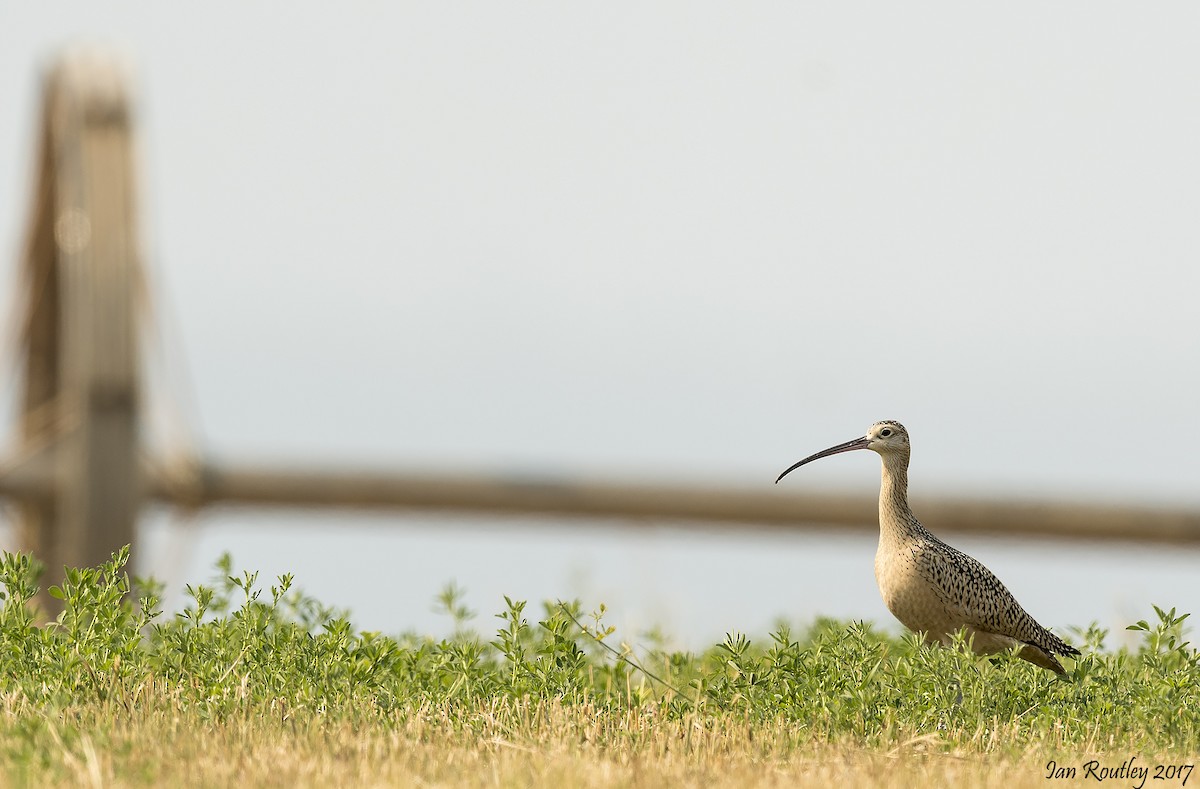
[732, 506]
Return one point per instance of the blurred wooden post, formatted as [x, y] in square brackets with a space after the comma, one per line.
[79, 421]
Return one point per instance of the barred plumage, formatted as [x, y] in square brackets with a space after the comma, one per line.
[931, 587]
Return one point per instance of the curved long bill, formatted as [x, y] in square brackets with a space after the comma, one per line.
[849, 446]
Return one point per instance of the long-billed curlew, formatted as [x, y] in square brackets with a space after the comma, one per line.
[934, 589]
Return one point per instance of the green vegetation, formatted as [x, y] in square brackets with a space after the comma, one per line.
[267, 686]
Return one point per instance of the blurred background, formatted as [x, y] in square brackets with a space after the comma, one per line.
[679, 242]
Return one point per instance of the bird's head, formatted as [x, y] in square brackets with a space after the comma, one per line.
[888, 438]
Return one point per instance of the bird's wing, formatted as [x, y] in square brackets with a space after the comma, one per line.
[975, 596]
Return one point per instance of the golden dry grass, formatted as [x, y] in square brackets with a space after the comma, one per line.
[541, 744]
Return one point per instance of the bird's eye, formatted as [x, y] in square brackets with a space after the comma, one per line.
[887, 431]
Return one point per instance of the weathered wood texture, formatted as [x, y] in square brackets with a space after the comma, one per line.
[77, 461]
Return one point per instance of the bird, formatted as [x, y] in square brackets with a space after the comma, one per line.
[932, 588]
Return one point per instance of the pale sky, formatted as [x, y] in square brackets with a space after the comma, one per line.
[668, 240]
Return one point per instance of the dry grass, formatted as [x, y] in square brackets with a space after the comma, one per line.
[235, 755]
[523, 744]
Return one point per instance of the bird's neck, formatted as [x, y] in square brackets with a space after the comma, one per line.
[896, 518]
